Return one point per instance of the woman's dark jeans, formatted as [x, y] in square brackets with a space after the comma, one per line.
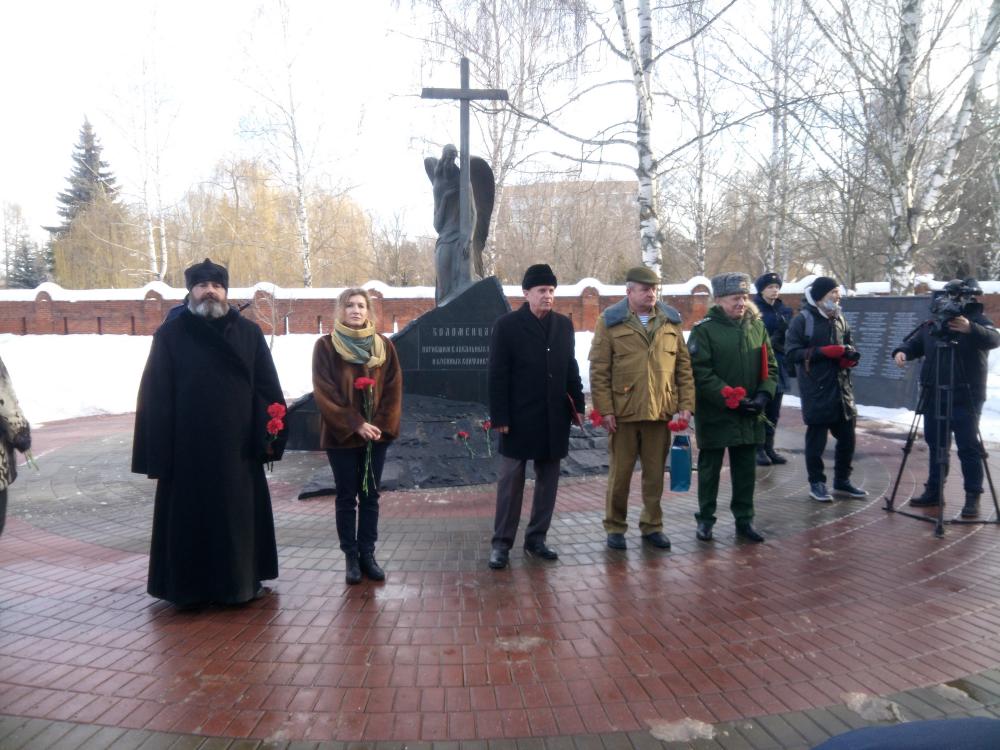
[357, 511]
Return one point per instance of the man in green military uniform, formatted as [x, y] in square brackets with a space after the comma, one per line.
[640, 377]
[735, 375]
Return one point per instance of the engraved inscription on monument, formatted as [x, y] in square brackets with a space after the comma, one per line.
[454, 346]
[879, 325]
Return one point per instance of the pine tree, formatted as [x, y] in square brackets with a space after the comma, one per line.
[28, 267]
[90, 180]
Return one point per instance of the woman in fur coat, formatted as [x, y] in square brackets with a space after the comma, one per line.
[15, 433]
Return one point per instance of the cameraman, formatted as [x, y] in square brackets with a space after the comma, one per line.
[960, 320]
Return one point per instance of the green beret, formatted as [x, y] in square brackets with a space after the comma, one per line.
[642, 275]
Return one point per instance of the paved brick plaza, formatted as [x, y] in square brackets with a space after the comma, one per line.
[846, 616]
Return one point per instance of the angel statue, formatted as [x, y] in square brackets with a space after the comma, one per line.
[451, 253]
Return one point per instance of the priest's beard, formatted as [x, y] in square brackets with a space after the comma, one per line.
[209, 308]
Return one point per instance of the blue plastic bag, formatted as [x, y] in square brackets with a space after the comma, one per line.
[680, 464]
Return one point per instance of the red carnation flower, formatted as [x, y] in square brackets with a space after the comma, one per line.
[463, 435]
[595, 418]
[487, 425]
[276, 410]
[727, 392]
[362, 383]
[275, 426]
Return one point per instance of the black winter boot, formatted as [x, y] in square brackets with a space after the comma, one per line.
[745, 530]
[371, 568]
[776, 458]
[971, 507]
[353, 570]
[929, 499]
[762, 458]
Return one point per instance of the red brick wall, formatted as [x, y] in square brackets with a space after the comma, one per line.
[43, 315]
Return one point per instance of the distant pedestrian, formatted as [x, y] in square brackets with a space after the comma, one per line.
[820, 345]
[201, 432]
[358, 387]
[535, 391]
[640, 379]
[776, 316]
[15, 434]
[735, 377]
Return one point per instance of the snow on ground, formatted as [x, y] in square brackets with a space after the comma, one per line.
[64, 377]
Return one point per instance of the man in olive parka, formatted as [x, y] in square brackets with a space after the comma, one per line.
[640, 378]
[729, 350]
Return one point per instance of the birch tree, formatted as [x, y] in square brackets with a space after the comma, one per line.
[280, 125]
[625, 43]
[145, 125]
[15, 228]
[888, 87]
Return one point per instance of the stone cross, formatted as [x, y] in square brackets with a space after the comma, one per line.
[464, 94]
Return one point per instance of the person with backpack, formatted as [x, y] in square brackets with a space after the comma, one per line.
[776, 316]
[819, 344]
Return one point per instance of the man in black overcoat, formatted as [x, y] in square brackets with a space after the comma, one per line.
[535, 393]
[201, 432]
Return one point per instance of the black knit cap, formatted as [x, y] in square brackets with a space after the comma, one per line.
[538, 275]
[821, 287]
[766, 279]
[206, 271]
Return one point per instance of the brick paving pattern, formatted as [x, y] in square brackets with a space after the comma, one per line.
[847, 616]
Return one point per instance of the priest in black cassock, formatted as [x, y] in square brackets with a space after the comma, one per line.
[201, 432]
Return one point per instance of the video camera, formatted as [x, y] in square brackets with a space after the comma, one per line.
[950, 303]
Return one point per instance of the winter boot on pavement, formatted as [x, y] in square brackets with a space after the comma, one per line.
[776, 458]
[971, 507]
[371, 568]
[929, 499]
[762, 458]
[746, 531]
[353, 570]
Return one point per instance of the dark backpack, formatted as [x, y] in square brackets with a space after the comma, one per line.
[810, 326]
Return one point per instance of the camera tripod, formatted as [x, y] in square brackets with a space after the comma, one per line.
[943, 403]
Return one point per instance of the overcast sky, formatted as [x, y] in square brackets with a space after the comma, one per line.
[357, 75]
[358, 78]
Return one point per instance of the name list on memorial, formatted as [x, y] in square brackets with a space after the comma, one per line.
[879, 325]
[455, 347]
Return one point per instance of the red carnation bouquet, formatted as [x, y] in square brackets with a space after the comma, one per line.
[733, 396]
[677, 425]
[367, 387]
[275, 425]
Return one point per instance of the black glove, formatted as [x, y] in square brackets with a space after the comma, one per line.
[22, 440]
[748, 407]
[761, 400]
[851, 354]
